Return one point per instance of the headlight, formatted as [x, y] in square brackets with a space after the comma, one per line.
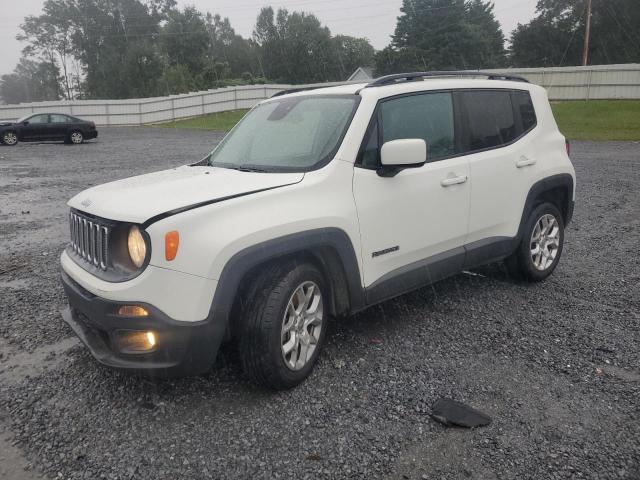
[137, 246]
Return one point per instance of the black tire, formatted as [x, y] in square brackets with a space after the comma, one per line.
[521, 263]
[260, 342]
[9, 138]
[76, 137]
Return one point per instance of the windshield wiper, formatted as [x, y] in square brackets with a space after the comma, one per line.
[252, 169]
[243, 168]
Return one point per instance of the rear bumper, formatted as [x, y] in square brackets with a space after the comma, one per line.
[183, 348]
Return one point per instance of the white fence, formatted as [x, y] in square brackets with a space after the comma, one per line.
[598, 82]
[150, 110]
[566, 83]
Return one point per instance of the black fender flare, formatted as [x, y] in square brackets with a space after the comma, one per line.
[309, 241]
[563, 180]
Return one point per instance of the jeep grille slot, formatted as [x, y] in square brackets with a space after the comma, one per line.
[89, 239]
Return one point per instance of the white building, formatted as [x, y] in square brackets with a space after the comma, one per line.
[362, 74]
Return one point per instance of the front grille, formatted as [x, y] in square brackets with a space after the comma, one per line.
[90, 239]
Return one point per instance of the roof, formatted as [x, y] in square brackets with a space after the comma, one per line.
[418, 76]
[31, 114]
[415, 82]
[346, 89]
[433, 84]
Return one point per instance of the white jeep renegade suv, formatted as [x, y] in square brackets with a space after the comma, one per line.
[318, 203]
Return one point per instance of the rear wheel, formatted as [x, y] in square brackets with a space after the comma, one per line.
[10, 138]
[76, 137]
[285, 325]
[541, 246]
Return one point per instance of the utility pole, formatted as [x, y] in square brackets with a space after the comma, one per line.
[587, 35]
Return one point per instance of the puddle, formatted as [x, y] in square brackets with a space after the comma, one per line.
[16, 364]
[18, 284]
[12, 462]
[621, 374]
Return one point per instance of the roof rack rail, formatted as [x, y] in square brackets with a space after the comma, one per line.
[294, 90]
[313, 87]
[419, 76]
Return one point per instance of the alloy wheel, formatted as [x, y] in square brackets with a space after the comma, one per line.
[545, 242]
[76, 137]
[10, 138]
[301, 325]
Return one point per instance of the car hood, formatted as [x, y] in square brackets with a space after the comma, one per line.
[153, 196]
[6, 124]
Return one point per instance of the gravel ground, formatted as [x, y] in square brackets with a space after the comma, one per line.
[557, 365]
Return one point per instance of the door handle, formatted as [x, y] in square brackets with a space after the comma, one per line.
[525, 162]
[449, 181]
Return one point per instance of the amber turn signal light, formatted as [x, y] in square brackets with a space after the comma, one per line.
[132, 311]
[171, 244]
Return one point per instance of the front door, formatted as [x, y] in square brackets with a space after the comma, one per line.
[35, 128]
[413, 225]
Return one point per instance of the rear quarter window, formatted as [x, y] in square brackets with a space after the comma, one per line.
[490, 119]
[524, 108]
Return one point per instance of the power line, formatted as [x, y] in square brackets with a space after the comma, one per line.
[349, 18]
[569, 44]
[612, 12]
[314, 12]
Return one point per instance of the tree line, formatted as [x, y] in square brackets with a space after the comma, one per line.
[556, 35]
[139, 48]
[464, 34]
[108, 49]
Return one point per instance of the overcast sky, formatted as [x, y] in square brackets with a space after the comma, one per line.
[372, 19]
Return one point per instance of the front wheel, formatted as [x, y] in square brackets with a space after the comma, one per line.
[284, 325]
[10, 138]
[76, 137]
[541, 246]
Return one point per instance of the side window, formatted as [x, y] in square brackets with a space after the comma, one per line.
[524, 108]
[428, 116]
[490, 118]
[55, 118]
[370, 152]
[39, 119]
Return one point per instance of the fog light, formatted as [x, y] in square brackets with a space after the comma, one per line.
[132, 311]
[135, 341]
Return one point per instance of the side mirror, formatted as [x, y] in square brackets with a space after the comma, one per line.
[25, 123]
[399, 154]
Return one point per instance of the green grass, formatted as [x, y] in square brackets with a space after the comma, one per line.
[223, 121]
[599, 119]
[578, 120]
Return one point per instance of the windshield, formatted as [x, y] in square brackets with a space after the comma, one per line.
[288, 134]
[26, 117]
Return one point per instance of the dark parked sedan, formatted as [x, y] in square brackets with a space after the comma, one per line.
[40, 127]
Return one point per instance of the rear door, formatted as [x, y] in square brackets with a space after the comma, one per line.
[413, 224]
[59, 126]
[502, 162]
